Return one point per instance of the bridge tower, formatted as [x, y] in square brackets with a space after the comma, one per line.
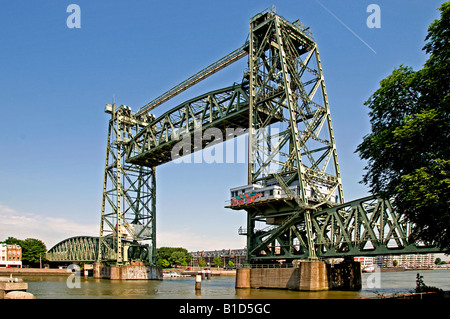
[293, 197]
[292, 151]
[127, 227]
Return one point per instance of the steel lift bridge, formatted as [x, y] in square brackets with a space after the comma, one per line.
[293, 198]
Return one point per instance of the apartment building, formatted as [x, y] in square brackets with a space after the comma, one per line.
[409, 261]
[365, 261]
[10, 255]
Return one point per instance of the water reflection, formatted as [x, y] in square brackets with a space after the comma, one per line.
[221, 287]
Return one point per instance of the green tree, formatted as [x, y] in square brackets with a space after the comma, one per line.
[33, 250]
[178, 258]
[202, 262]
[230, 264]
[395, 263]
[164, 252]
[217, 261]
[163, 263]
[13, 241]
[174, 255]
[407, 152]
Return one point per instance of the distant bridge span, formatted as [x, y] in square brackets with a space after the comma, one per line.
[79, 248]
[85, 249]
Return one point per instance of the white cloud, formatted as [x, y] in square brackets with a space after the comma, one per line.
[50, 230]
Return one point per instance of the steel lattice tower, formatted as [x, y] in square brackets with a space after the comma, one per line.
[291, 140]
[281, 103]
[128, 221]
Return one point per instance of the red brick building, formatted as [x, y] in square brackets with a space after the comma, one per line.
[10, 256]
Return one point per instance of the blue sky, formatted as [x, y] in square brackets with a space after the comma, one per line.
[55, 81]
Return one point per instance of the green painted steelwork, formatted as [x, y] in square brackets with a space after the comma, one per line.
[86, 248]
[223, 109]
[282, 105]
[369, 226]
[129, 190]
[285, 75]
[80, 248]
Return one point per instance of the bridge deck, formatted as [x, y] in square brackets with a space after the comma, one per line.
[223, 109]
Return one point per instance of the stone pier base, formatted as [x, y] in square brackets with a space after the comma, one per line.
[243, 278]
[309, 276]
[313, 276]
[135, 271]
[9, 287]
[345, 276]
[102, 271]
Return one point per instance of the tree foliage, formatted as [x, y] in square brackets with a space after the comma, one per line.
[32, 250]
[422, 287]
[202, 262]
[407, 152]
[217, 261]
[172, 256]
[163, 263]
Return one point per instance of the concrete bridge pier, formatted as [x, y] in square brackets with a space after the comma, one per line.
[134, 271]
[243, 278]
[312, 275]
[345, 275]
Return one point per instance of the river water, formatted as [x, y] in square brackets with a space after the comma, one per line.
[70, 287]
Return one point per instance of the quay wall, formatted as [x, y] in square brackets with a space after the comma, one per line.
[137, 271]
[308, 276]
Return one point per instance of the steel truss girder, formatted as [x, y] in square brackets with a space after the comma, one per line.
[86, 249]
[82, 248]
[223, 109]
[369, 226]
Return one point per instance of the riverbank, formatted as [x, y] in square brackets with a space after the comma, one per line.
[417, 295]
[396, 269]
[193, 272]
[373, 285]
[52, 271]
[213, 272]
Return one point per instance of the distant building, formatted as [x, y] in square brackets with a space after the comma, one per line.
[365, 261]
[409, 261]
[237, 256]
[10, 256]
